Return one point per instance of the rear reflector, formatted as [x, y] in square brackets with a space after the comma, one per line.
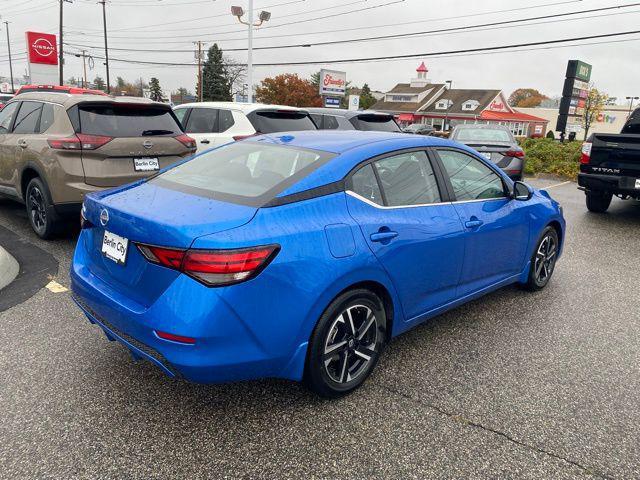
[187, 141]
[79, 141]
[175, 338]
[585, 156]
[213, 267]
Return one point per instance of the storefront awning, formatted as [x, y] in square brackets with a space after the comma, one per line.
[405, 117]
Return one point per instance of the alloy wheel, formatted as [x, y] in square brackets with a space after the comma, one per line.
[37, 209]
[350, 344]
[545, 259]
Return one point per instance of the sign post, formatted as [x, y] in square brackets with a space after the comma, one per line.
[574, 97]
[42, 57]
[333, 86]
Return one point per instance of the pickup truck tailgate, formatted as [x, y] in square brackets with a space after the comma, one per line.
[614, 154]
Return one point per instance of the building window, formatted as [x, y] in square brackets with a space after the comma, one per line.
[443, 104]
[470, 105]
[402, 98]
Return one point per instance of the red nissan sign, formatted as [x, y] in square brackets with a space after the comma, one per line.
[42, 48]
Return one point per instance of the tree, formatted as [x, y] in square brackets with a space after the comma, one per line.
[288, 89]
[98, 83]
[526, 98]
[216, 84]
[155, 90]
[593, 106]
[123, 87]
[366, 98]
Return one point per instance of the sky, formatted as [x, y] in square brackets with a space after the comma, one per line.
[169, 28]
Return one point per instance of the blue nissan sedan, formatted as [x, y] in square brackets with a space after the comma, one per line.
[301, 255]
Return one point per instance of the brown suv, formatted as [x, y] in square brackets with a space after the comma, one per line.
[56, 147]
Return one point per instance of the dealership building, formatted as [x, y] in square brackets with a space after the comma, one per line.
[422, 101]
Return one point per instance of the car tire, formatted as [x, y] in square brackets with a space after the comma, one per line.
[346, 344]
[543, 260]
[598, 202]
[40, 211]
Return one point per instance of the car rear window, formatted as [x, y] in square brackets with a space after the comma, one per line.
[272, 121]
[482, 135]
[633, 125]
[380, 123]
[250, 173]
[127, 120]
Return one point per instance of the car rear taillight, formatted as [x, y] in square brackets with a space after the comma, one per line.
[514, 153]
[585, 156]
[187, 141]
[80, 141]
[237, 138]
[213, 267]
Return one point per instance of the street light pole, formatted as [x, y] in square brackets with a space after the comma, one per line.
[106, 47]
[446, 114]
[263, 17]
[631, 99]
[10, 63]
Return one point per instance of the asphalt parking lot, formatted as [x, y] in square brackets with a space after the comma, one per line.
[514, 385]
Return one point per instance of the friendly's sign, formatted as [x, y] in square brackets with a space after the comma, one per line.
[42, 57]
[333, 83]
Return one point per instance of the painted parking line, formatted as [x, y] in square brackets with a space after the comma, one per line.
[556, 185]
[55, 287]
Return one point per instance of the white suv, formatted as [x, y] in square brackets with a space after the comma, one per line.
[215, 123]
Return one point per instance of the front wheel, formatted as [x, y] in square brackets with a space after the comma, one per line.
[346, 344]
[598, 202]
[544, 259]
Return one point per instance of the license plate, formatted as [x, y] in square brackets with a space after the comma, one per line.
[114, 247]
[146, 164]
[637, 182]
[486, 155]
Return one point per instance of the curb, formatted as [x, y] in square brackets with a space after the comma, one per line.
[9, 268]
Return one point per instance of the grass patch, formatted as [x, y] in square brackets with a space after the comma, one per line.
[545, 155]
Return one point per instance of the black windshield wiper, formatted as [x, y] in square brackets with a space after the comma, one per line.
[149, 133]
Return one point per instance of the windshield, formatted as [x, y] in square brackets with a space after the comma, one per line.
[245, 172]
[482, 135]
[127, 120]
[272, 121]
[381, 123]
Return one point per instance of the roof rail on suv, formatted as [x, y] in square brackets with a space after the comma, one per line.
[59, 89]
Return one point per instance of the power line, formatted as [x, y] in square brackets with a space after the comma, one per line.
[408, 34]
[404, 56]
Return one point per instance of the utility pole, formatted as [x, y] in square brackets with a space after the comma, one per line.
[445, 127]
[84, 68]
[60, 48]
[10, 64]
[106, 47]
[200, 89]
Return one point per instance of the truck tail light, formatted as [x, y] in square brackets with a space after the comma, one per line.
[80, 141]
[585, 157]
[213, 268]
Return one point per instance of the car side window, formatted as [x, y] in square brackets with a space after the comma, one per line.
[317, 119]
[180, 113]
[365, 184]
[6, 115]
[344, 124]
[471, 179]
[27, 119]
[225, 120]
[46, 118]
[408, 179]
[330, 122]
[202, 120]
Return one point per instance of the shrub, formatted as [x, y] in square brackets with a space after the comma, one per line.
[545, 155]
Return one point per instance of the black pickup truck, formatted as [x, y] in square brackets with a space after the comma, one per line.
[610, 165]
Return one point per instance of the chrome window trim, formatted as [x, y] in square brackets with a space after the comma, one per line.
[386, 207]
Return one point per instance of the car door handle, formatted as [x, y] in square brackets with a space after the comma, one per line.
[205, 141]
[22, 143]
[383, 236]
[475, 223]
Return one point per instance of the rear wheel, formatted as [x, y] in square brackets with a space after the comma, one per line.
[40, 210]
[346, 344]
[598, 202]
[544, 258]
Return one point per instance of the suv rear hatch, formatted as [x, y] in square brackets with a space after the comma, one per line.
[123, 142]
[375, 121]
[281, 120]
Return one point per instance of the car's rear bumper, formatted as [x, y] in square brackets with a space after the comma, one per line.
[225, 349]
[623, 185]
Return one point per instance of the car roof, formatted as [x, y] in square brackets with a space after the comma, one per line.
[69, 100]
[342, 112]
[485, 126]
[239, 106]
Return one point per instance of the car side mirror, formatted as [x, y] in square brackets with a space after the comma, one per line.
[522, 191]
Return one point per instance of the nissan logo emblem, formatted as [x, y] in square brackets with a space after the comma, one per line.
[104, 217]
[147, 144]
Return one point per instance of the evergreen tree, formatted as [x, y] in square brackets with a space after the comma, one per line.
[366, 98]
[155, 91]
[99, 84]
[216, 84]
